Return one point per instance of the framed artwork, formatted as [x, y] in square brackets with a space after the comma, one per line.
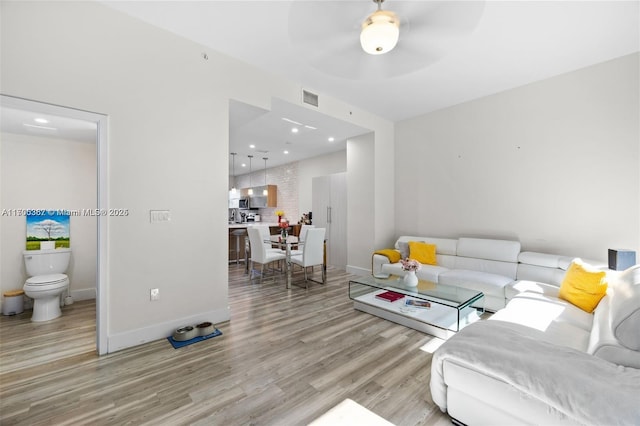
[47, 229]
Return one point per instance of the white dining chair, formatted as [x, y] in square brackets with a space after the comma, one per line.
[313, 254]
[265, 234]
[259, 253]
[301, 237]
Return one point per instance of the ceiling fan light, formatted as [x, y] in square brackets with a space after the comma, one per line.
[380, 32]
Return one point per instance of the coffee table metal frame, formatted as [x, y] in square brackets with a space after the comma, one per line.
[451, 309]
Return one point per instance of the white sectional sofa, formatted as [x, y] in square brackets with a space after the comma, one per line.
[495, 267]
[542, 360]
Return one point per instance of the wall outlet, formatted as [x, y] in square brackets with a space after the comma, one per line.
[154, 294]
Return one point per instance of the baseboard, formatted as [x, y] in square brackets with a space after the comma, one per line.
[119, 341]
[356, 270]
[83, 294]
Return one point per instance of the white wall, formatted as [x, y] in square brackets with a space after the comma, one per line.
[47, 173]
[554, 164]
[168, 148]
[361, 196]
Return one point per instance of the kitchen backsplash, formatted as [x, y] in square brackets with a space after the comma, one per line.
[286, 178]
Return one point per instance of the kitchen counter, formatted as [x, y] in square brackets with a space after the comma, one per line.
[247, 224]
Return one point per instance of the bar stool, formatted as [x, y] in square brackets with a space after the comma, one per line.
[238, 233]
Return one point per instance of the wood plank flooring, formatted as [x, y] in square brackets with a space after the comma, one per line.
[285, 358]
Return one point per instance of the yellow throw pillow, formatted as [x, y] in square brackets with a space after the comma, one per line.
[582, 287]
[423, 252]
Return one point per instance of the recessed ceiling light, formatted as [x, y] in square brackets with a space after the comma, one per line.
[41, 120]
[331, 139]
[294, 130]
[286, 152]
[291, 121]
[252, 146]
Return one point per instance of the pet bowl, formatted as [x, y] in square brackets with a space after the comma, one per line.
[205, 328]
[184, 333]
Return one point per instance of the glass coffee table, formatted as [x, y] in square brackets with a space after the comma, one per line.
[436, 309]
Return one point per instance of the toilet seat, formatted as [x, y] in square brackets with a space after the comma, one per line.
[42, 280]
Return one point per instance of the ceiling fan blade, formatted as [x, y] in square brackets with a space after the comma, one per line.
[327, 34]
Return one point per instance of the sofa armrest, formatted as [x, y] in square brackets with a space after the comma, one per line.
[377, 260]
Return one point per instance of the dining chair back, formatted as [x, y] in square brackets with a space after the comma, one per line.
[313, 253]
[303, 231]
[265, 234]
[259, 253]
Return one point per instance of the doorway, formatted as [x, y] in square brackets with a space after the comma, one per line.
[98, 125]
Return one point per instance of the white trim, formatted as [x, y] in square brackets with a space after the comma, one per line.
[163, 330]
[356, 270]
[101, 152]
[83, 294]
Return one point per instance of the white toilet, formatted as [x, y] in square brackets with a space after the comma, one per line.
[47, 281]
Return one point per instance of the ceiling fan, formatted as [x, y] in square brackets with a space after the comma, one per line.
[328, 34]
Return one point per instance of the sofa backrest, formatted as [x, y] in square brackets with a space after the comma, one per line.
[547, 268]
[445, 248]
[486, 255]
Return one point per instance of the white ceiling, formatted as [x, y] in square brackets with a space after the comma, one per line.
[449, 52]
[22, 122]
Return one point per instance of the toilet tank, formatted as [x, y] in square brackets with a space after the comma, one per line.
[45, 262]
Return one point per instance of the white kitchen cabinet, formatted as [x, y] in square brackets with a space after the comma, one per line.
[329, 207]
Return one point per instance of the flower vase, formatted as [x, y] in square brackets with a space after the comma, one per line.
[279, 219]
[284, 234]
[410, 279]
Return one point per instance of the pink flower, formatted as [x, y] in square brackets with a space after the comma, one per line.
[410, 264]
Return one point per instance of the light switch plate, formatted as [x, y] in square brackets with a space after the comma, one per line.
[157, 216]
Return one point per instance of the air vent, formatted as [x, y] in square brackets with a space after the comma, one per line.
[309, 98]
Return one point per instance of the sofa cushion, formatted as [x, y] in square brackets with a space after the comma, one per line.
[489, 284]
[583, 286]
[427, 272]
[540, 273]
[561, 322]
[423, 252]
[520, 286]
[625, 307]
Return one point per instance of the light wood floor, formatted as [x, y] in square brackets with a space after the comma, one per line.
[285, 358]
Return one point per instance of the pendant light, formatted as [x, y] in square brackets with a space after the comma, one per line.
[380, 31]
[265, 191]
[250, 180]
[233, 187]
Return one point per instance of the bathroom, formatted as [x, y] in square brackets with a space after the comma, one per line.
[44, 164]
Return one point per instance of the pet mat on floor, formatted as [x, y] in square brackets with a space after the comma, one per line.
[179, 344]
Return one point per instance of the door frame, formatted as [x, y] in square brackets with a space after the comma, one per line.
[102, 123]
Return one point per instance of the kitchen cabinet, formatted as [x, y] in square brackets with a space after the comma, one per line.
[234, 199]
[329, 207]
[257, 200]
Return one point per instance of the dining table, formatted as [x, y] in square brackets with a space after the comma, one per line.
[285, 245]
